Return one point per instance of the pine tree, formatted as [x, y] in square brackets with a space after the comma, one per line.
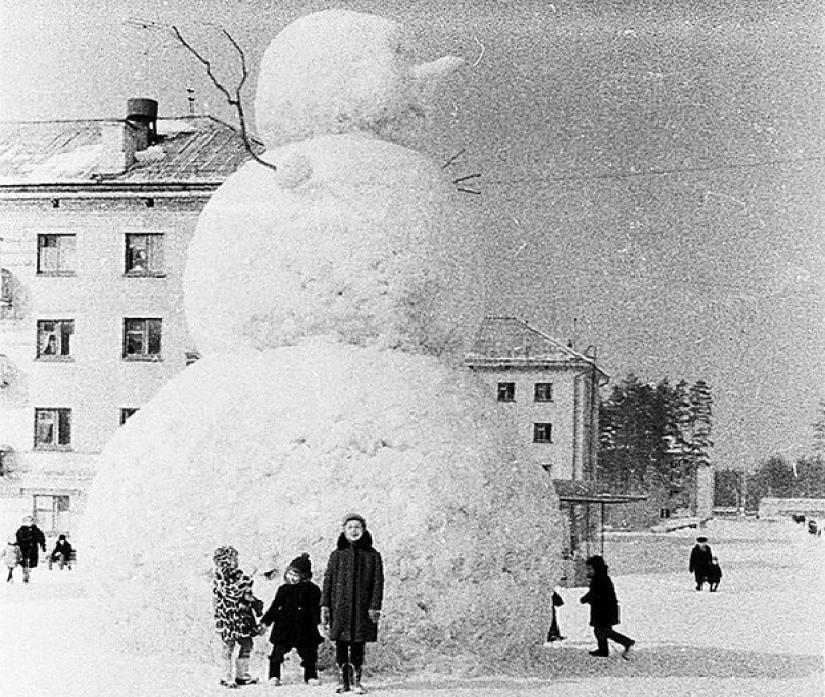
[701, 403]
[818, 444]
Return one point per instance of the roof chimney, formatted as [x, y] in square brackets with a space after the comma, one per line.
[121, 140]
[142, 113]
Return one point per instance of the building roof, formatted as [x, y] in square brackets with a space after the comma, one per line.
[509, 341]
[190, 150]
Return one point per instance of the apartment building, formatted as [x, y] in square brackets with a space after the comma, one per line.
[95, 220]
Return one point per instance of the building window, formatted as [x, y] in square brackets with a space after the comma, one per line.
[125, 414]
[506, 392]
[6, 293]
[542, 433]
[141, 339]
[54, 338]
[52, 429]
[544, 392]
[56, 254]
[144, 254]
[52, 513]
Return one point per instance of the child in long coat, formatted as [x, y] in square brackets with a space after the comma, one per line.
[351, 600]
[604, 609]
[235, 609]
[295, 614]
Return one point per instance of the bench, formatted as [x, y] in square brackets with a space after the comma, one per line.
[70, 562]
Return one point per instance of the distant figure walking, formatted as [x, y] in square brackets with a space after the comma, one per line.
[604, 609]
[701, 557]
[61, 554]
[11, 557]
[295, 614]
[31, 541]
[714, 575]
[352, 598]
[554, 633]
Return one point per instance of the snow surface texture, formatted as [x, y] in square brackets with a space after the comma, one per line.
[342, 72]
[352, 236]
[268, 451]
[325, 300]
[363, 250]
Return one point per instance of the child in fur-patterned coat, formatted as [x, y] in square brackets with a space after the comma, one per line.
[11, 557]
[235, 610]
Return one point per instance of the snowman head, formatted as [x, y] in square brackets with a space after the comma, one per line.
[339, 71]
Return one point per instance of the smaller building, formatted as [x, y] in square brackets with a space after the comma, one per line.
[551, 394]
[550, 390]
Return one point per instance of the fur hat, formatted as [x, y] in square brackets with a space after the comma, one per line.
[354, 516]
[701, 538]
[225, 555]
[596, 562]
[302, 566]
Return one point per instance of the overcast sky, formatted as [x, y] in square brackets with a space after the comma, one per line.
[652, 171]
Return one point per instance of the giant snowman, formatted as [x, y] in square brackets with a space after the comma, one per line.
[325, 297]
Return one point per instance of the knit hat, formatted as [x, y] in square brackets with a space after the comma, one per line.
[596, 562]
[354, 516]
[302, 566]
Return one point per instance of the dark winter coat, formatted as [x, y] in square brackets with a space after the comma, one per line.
[31, 540]
[295, 614]
[353, 585]
[604, 608]
[700, 560]
[713, 573]
[62, 547]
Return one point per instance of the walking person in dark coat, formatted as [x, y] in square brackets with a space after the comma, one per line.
[351, 600]
[701, 557]
[31, 541]
[295, 614]
[604, 609]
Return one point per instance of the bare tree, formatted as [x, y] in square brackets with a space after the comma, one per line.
[233, 96]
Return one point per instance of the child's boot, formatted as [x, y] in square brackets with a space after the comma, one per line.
[358, 689]
[228, 680]
[242, 670]
[344, 679]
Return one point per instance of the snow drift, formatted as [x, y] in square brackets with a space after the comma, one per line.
[259, 452]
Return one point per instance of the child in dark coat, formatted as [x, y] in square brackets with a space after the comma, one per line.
[295, 614]
[604, 609]
[714, 574]
[352, 598]
[61, 554]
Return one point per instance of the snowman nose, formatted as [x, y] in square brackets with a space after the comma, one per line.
[436, 70]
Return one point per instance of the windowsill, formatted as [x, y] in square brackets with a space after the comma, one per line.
[57, 274]
[143, 359]
[544, 401]
[52, 448]
[144, 274]
[54, 359]
[507, 401]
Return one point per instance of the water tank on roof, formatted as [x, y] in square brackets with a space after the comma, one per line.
[141, 109]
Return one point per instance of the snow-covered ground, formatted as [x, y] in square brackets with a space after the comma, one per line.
[760, 635]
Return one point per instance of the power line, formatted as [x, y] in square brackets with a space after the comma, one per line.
[666, 172]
